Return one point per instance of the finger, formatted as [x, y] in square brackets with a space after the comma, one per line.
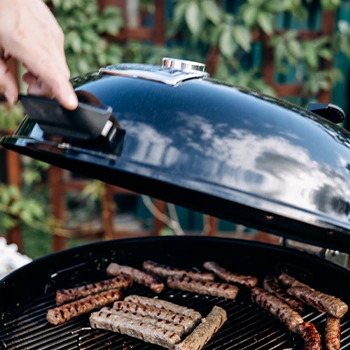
[8, 84]
[53, 73]
[36, 87]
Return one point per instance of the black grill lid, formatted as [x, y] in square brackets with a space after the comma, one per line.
[219, 149]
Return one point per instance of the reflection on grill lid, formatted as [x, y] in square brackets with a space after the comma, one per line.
[216, 148]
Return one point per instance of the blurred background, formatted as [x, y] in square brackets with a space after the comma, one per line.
[297, 50]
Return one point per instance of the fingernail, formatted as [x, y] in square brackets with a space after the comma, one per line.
[72, 100]
[9, 97]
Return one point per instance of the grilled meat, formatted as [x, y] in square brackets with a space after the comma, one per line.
[320, 301]
[137, 329]
[332, 333]
[166, 305]
[271, 285]
[310, 336]
[288, 281]
[119, 282]
[138, 276]
[159, 323]
[277, 308]
[166, 271]
[79, 307]
[204, 331]
[248, 281]
[151, 311]
[223, 290]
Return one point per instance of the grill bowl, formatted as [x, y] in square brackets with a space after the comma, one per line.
[29, 292]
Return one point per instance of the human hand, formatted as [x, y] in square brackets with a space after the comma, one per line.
[29, 33]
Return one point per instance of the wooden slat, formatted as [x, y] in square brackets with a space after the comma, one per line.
[141, 34]
[158, 35]
[57, 203]
[13, 166]
[158, 224]
[327, 29]
[108, 210]
[288, 90]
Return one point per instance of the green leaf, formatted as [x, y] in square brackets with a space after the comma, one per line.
[211, 11]
[275, 6]
[242, 36]
[294, 49]
[326, 54]
[9, 222]
[331, 5]
[249, 14]
[193, 18]
[266, 22]
[226, 44]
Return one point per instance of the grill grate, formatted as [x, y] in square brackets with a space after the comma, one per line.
[248, 327]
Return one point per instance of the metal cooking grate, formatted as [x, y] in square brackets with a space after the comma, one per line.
[248, 327]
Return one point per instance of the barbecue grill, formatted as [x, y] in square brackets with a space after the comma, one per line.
[173, 133]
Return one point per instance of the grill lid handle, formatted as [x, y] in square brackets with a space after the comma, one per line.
[328, 111]
[84, 123]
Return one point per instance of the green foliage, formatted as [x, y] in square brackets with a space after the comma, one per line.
[208, 25]
[85, 27]
[15, 209]
[10, 117]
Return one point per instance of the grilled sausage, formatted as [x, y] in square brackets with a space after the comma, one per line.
[310, 336]
[332, 334]
[119, 282]
[271, 285]
[277, 308]
[137, 329]
[159, 323]
[166, 271]
[320, 301]
[166, 305]
[204, 331]
[223, 290]
[248, 281]
[137, 275]
[288, 281]
[151, 311]
[79, 307]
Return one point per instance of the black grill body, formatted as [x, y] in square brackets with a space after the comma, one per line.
[28, 292]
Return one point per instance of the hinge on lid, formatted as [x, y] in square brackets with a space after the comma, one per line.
[334, 256]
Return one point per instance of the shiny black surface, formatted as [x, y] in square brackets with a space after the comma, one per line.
[219, 149]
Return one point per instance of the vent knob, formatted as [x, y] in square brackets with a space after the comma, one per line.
[184, 65]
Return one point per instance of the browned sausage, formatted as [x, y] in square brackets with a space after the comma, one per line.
[204, 331]
[134, 328]
[310, 336]
[166, 271]
[277, 308]
[271, 285]
[79, 307]
[333, 333]
[288, 281]
[159, 323]
[320, 301]
[248, 281]
[223, 290]
[119, 282]
[151, 311]
[166, 305]
[138, 276]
